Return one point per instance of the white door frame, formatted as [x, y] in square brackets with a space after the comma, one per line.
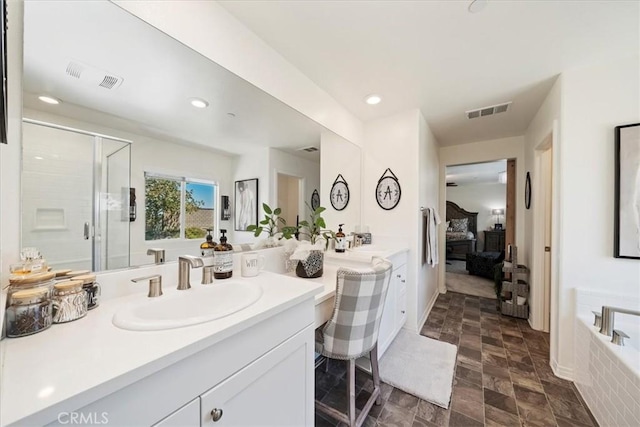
[538, 312]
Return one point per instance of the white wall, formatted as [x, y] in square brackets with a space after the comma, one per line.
[404, 143]
[288, 164]
[10, 158]
[481, 198]
[428, 196]
[208, 28]
[338, 156]
[486, 151]
[545, 123]
[594, 101]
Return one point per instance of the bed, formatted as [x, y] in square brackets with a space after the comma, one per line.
[461, 233]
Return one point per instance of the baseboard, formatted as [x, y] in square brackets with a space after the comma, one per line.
[425, 315]
[561, 371]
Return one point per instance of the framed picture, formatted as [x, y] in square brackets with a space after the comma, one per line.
[627, 192]
[246, 207]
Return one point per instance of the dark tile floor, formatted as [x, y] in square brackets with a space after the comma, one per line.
[502, 376]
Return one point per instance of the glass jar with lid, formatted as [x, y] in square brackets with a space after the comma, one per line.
[69, 301]
[92, 288]
[28, 311]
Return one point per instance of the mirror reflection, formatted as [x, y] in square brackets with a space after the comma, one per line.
[141, 141]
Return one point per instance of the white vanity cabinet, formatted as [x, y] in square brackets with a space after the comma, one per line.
[188, 415]
[262, 375]
[394, 315]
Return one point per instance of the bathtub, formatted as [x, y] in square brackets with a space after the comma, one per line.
[608, 375]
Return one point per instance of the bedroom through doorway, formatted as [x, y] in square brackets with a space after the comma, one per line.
[479, 224]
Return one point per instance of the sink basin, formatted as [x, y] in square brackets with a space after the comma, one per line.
[199, 304]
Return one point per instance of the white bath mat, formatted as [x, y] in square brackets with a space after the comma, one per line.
[420, 366]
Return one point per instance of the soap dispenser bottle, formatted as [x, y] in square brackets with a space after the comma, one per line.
[341, 242]
[206, 248]
[223, 258]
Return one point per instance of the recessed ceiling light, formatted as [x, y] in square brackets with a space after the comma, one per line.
[477, 6]
[199, 103]
[38, 157]
[373, 99]
[49, 99]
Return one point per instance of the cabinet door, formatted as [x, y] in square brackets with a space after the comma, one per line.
[401, 300]
[274, 390]
[187, 416]
[386, 333]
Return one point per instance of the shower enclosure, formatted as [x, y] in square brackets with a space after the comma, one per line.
[75, 196]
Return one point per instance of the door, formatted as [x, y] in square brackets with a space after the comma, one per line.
[546, 198]
[289, 200]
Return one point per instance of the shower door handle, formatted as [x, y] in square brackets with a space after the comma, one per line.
[87, 230]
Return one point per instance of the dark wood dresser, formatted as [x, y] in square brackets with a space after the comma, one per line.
[494, 240]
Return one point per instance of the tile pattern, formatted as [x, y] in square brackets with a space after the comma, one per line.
[502, 376]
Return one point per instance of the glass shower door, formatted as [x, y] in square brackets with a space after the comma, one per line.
[74, 189]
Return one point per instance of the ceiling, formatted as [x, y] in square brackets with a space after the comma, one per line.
[475, 174]
[159, 75]
[436, 56]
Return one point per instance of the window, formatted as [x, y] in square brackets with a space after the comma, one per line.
[178, 207]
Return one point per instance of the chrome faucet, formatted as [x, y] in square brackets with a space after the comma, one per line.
[607, 321]
[185, 263]
[158, 254]
[155, 284]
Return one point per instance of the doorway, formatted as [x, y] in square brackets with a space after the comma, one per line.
[289, 192]
[482, 197]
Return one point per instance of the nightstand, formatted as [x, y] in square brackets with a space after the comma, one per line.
[494, 240]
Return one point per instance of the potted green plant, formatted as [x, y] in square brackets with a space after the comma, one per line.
[272, 224]
[311, 258]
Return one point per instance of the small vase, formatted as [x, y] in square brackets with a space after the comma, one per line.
[271, 242]
[311, 267]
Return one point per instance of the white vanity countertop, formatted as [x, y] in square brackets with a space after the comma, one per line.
[333, 260]
[94, 357]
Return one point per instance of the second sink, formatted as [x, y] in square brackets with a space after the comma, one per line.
[189, 307]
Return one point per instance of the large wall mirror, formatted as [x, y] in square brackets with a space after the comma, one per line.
[147, 140]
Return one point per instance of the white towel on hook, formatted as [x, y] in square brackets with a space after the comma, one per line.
[432, 220]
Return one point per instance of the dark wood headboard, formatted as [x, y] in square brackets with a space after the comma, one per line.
[455, 211]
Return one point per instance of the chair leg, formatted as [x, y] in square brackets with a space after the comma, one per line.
[373, 357]
[351, 388]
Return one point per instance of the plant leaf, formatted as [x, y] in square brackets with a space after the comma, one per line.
[251, 227]
[266, 208]
[277, 211]
[264, 221]
[319, 210]
[320, 223]
[258, 231]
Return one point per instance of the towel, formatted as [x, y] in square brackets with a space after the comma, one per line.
[431, 219]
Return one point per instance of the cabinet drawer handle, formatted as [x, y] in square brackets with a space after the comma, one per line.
[216, 414]
[403, 281]
[402, 312]
[398, 276]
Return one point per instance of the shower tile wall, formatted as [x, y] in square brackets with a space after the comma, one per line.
[56, 194]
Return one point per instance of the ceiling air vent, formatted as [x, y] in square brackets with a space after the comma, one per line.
[488, 111]
[308, 149]
[92, 76]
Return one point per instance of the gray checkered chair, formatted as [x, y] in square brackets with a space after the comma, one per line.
[352, 331]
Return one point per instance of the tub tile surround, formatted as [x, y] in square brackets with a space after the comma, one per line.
[502, 376]
[607, 376]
